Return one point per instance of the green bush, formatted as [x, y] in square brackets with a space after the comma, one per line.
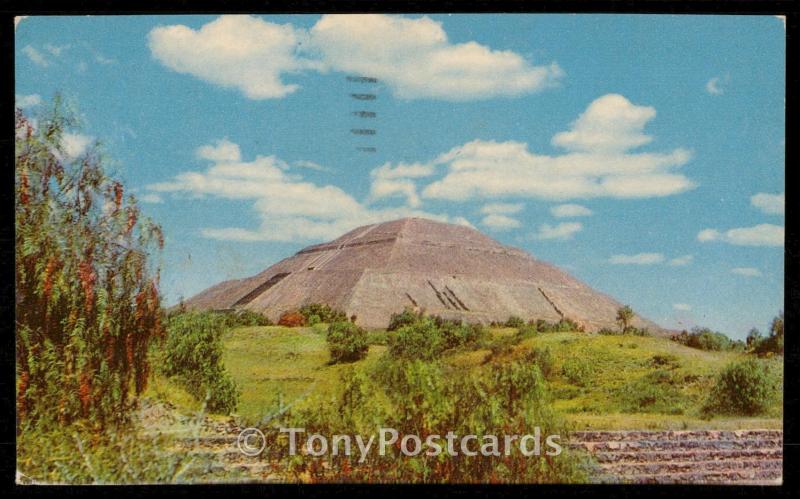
[526, 331]
[543, 358]
[656, 392]
[245, 318]
[772, 344]
[404, 318]
[192, 355]
[427, 398]
[347, 342]
[319, 312]
[577, 370]
[514, 321]
[706, 339]
[455, 334]
[419, 340]
[743, 388]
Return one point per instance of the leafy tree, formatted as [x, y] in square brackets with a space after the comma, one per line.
[624, 317]
[87, 300]
[192, 355]
[347, 342]
[743, 388]
[754, 337]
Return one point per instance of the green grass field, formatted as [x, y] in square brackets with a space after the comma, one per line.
[597, 382]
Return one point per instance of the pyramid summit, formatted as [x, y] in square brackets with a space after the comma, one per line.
[449, 270]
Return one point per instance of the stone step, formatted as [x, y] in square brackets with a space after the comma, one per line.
[770, 476]
[688, 455]
[617, 436]
[665, 445]
[672, 467]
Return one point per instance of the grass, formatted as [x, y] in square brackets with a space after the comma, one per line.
[599, 382]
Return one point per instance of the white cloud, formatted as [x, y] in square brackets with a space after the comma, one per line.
[570, 210]
[500, 222]
[489, 169]
[389, 181]
[151, 197]
[242, 52]
[681, 261]
[74, 145]
[771, 204]
[684, 307]
[561, 231]
[35, 56]
[289, 208]
[638, 259]
[502, 208]
[416, 60]
[611, 124]
[223, 150]
[746, 271]
[759, 235]
[55, 50]
[26, 101]
[412, 56]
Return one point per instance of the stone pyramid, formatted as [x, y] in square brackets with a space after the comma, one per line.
[448, 270]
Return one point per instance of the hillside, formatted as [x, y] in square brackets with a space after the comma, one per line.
[597, 382]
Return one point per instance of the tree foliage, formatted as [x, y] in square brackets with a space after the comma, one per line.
[87, 300]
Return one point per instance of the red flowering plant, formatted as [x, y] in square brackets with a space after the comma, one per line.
[87, 299]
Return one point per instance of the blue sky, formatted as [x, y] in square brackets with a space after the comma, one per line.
[642, 154]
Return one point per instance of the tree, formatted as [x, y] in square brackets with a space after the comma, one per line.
[754, 337]
[776, 328]
[624, 317]
[87, 300]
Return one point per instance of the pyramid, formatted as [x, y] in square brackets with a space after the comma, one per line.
[448, 270]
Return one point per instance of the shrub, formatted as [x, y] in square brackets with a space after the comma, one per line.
[419, 340]
[246, 318]
[706, 339]
[292, 318]
[404, 318]
[87, 304]
[743, 388]
[543, 358]
[318, 312]
[526, 331]
[656, 392]
[347, 342]
[514, 321]
[192, 355]
[426, 399]
[578, 371]
[455, 334]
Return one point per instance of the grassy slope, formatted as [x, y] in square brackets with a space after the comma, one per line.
[268, 361]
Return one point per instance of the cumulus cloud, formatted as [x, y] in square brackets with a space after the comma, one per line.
[222, 150]
[638, 259]
[684, 307]
[289, 207]
[26, 101]
[681, 261]
[242, 52]
[610, 124]
[561, 231]
[771, 204]
[389, 181]
[570, 211]
[599, 166]
[758, 235]
[416, 60]
[413, 57]
[500, 222]
[746, 271]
